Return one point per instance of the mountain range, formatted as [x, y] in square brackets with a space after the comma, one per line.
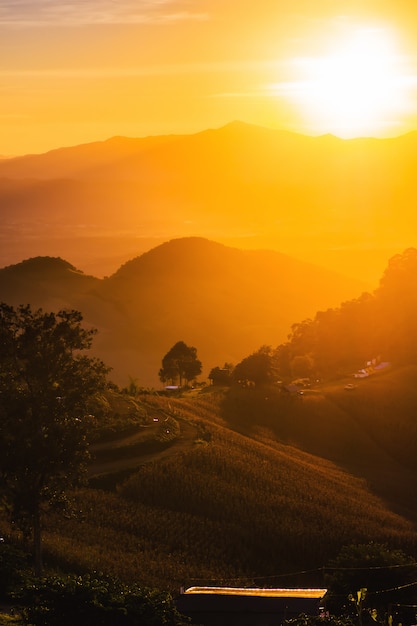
[345, 204]
[224, 301]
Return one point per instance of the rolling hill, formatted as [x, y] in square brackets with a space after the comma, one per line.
[224, 301]
[239, 504]
[257, 484]
[348, 204]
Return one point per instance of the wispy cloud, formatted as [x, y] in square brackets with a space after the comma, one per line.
[101, 12]
[137, 71]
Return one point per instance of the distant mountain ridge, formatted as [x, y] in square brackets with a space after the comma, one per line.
[224, 301]
[348, 204]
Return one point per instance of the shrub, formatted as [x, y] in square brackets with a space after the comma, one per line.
[95, 599]
[310, 620]
[13, 564]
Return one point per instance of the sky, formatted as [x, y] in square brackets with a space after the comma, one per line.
[85, 70]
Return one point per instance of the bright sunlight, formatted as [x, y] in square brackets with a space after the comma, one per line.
[356, 88]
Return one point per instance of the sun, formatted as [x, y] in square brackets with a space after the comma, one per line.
[355, 88]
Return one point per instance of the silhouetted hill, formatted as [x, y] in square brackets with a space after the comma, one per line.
[346, 203]
[224, 301]
[44, 282]
[77, 161]
[370, 330]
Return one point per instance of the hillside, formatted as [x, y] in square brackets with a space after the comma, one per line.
[369, 430]
[348, 204]
[233, 505]
[44, 282]
[224, 301]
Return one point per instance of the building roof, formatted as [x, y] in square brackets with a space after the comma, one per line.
[259, 592]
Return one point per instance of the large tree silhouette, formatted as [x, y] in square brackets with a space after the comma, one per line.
[257, 368]
[46, 388]
[180, 364]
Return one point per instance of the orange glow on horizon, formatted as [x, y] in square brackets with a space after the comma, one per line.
[156, 69]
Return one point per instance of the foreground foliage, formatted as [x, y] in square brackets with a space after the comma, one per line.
[46, 387]
[310, 620]
[95, 599]
[373, 577]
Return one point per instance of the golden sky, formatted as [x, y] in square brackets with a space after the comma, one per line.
[85, 70]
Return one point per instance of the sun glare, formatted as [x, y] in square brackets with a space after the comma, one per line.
[356, 88]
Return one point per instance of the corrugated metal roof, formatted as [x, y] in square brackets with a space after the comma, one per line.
[252, 591]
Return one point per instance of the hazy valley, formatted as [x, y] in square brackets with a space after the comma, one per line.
[224, 301]
[247, 482]
[344, 204]
[239, 483]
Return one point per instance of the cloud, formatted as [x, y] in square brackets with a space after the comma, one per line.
[34, 13]
[137, 71]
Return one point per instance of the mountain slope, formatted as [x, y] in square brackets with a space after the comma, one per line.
[369, 430]
[231, 507]
[224, 301]
[246, 185]
[44, 281]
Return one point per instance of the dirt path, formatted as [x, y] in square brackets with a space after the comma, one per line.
[132, 460]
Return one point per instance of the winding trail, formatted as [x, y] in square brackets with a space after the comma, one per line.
[134, 459]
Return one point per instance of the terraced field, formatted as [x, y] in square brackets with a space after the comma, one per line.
[164, 437]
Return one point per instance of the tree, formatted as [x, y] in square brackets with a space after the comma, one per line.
[180, 364]
[221, 375]
[133, 388]
[257, 368]
[46, 391]
[370, 576]
[396, 300]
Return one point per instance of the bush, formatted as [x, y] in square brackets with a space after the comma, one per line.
[93, 599]
[310, 620]
[13, 564]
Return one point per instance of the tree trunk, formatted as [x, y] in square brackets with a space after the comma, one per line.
[37, 542]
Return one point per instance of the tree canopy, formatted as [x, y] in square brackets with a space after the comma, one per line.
[257, 368]
[370, 576]
[46, 389]
[221, 375]
[180, 364]
[375, 326]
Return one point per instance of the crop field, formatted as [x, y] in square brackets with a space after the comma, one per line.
[248, 487]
